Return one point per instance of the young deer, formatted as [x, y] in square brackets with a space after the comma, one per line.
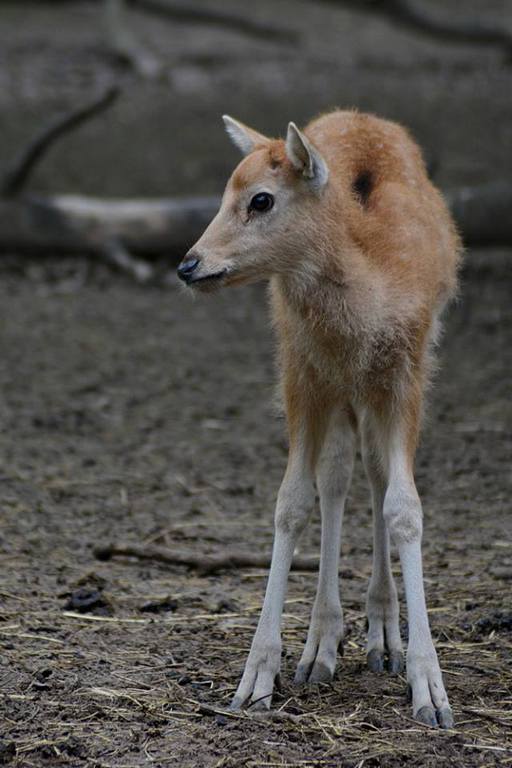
[361, 254]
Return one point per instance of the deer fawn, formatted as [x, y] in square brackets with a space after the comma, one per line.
[361, 254]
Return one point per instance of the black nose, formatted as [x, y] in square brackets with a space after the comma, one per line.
[187, 267]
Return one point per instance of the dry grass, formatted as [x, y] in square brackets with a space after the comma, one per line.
[105, 688]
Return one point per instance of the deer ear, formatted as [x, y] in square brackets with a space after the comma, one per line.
[245, 138]
[305, 158]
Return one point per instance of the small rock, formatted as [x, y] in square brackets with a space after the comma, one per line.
[86, 600]
[72, 747]
[496, 622]
[7, 751]
[162, 605]
[41, 678]
[221, 604]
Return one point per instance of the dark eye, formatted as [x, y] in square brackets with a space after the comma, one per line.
[261, 202]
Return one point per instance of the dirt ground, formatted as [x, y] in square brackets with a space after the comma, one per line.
[139, 415]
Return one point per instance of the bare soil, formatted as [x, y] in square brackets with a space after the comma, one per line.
[135, 414]
[138, 415]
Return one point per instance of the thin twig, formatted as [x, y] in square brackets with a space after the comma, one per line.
[485, 715]
[267, 715]
[16, 178]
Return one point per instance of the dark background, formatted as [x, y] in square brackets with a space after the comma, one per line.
[165, 137]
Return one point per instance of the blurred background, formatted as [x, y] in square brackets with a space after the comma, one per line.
[132, 415]
[290, 60]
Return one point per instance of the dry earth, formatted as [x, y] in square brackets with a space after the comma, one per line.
[139, 415]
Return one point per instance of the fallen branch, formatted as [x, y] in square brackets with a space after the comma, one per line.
[17, 176]
[115, 229]
[71, 224]
[184, 12]
[205, 565]
[412, 16]
[126, 48]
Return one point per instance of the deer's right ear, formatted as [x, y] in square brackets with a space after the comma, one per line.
[243, 137]
[305, 158]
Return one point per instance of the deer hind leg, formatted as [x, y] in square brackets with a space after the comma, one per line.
[403, 518]
[382, 607]
[333, 474]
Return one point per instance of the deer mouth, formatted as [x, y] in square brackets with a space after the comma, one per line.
[205, 282]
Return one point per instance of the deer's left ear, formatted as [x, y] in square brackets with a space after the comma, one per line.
[245, 138]
[305, 158]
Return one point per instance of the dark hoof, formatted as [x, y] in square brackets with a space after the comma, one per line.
[261, 705]
[426, 716]
[320, 674]
[375, 660]
[301, 674]
[396, 662]
[236, 704]
[445, 718]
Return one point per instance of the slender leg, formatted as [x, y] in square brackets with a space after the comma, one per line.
[403, 516]
[334, 472]
[382, 607]
[294, 503]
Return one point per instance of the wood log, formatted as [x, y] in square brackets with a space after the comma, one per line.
[71, 224]
[74, 224]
